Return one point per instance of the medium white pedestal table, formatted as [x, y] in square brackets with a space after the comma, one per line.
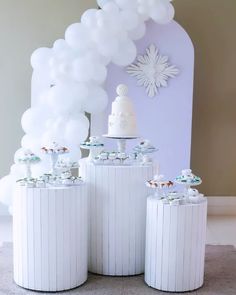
[117, 202]
[175, 245]
[50, 237]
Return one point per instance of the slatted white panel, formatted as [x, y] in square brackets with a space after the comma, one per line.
[50, 238]
[117, 217]
[175, 245]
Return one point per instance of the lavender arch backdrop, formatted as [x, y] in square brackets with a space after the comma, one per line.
[165, 119]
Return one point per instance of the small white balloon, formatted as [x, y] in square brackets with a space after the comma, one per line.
[33, 120]
[82, 70]
[126, 54]
[100, 73]
[60, 46]
[75, 132]
[6, 190]
[89, 18]
[17, 171]
[31, 142]
[127, 4]
[138, 32]
[111, 8]
[130, 20]
[64, 97]
[97, 100]
[78, 37]
[162, 12]
[40, 57]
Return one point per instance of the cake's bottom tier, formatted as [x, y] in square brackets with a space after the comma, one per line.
[117, 200]
[122, 126]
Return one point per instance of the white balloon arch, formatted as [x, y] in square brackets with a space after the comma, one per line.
[77, 67]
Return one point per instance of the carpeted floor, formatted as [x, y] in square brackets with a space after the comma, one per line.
[220, 277]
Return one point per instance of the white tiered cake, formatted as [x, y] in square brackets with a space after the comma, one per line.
[122, 121]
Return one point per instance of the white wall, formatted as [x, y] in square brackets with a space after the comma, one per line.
[24, 26]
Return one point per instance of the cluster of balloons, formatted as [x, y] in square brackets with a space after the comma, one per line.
[76, 68]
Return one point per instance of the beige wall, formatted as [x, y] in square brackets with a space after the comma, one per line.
[24, 26]
[212, 27]
[28, 24]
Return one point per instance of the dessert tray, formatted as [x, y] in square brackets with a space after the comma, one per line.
[164, 193]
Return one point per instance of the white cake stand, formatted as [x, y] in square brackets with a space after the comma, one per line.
[121, 141]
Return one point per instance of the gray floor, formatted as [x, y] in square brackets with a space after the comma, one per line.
[220, 278]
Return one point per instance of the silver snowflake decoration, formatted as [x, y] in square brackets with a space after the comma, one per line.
[152, 70]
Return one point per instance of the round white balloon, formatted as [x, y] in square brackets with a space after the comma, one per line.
[126, 54]
[138, 32]
[97, 100]
[89, 18]
[40, 57]
[75, 132]
[6, 190]
[78, 37]
[33, 120]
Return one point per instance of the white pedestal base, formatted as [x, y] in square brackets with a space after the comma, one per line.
[50, 238]
[117, 217]
[175, 245]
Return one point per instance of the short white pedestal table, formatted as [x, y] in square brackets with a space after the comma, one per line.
[175, 245]
[117, 202]
[50, 237]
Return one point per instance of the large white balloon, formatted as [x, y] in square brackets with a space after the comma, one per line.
[60, 46]
[75, 132]
[33, 120]
[162, 12]
[31, 142]
[126, 54]
[138, 32]
[89, 18]
[130, 20]
[65, 97]
[82, 70]
[17, 171]
[106, 42]
[78, 37]
[40, 57]
[97, 100]
[6, 190]
[127, 4]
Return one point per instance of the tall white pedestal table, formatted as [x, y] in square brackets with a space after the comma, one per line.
[175, 245]
[50, 238]
[117, 197]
